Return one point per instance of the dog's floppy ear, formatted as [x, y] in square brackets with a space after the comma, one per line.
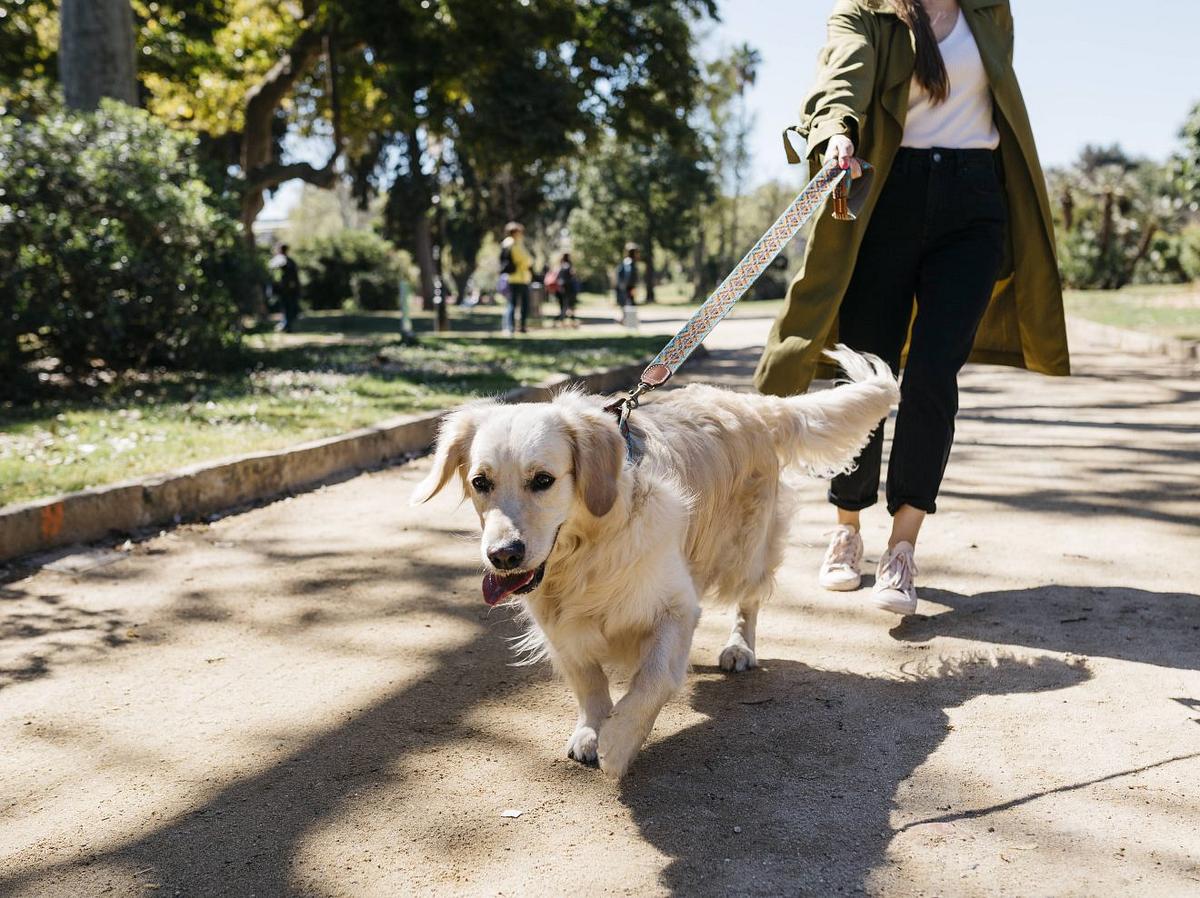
[454, 440]
[598, 452]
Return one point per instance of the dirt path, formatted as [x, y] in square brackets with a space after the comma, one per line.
[311, 699]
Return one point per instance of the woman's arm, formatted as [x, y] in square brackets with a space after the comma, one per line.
[837, 105]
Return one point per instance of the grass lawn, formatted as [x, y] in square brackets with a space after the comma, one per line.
[349, 370]
[1170, 311]
[340, 372]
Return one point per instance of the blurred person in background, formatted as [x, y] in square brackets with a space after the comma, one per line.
[568, 290]
[286, 287]
[516, 264]
[627, 276]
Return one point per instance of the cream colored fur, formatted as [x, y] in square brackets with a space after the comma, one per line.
[630, 550]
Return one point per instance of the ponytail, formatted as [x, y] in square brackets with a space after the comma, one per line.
[931, 69]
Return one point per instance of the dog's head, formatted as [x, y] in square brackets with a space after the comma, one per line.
[528, 469]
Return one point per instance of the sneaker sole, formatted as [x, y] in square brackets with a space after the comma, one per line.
[840, 585]
[896, 606]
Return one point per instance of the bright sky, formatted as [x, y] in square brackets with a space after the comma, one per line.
[1093, 71]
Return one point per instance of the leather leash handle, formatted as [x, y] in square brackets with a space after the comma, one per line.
[841, 202]
[841, 194]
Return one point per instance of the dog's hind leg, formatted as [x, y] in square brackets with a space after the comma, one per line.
[738, 653]
[590, 685]
[757, 582]
[660, 674]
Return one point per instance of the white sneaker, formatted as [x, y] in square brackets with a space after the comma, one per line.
[839, 567]
[894, 587]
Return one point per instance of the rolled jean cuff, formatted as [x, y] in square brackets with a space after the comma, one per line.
[929, 506]
[847, 505]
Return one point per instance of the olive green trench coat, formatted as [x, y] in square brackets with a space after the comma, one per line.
[862, 91]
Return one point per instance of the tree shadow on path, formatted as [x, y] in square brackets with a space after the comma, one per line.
[806, 763]
[40, 633]
[246, 837]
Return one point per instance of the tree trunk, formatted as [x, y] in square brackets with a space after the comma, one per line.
[699, 285]
[96, 54]
[423, 246]
[1142, 251]
[462, 272]
[1106, 225]
[650, 271]
[1068, 210]
[258, 141]
[722, 233]
[735, 225]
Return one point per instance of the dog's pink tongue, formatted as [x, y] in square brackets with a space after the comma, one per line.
[497, 586]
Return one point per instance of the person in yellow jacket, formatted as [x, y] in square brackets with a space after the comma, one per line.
[952, 256]
[517, 264]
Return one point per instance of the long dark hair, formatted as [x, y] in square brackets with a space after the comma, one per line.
[931, 69]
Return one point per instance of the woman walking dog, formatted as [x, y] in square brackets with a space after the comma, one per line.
[956, 225]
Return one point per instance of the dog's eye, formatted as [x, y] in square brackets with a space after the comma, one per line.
[541, 481]
[481, 483]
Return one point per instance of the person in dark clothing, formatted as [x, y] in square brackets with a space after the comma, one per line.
[568, 290]
[627, 277]
[287, 288]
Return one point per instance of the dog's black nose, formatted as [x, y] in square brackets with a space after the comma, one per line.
[507, 556]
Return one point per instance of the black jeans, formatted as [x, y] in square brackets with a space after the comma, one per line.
[518, 307]
[566, 304]
[289, 304]
[936, 235]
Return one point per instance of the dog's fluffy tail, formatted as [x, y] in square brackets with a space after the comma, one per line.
[826, 430]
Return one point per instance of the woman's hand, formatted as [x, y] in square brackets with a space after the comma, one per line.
[841, 148]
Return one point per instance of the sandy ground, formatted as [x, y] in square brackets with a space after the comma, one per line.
[311, 699]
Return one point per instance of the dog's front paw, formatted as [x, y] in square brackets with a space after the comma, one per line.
[620, 740]
[583, 746]
[737, 656]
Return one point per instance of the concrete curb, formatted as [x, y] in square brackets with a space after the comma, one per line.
[192, 493]
[1105, 335]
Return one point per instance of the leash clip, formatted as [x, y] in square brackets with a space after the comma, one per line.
[622, 408]
[628, 404]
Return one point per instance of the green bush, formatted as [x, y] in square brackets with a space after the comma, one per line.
[1189, 252]
[1164, 263]
[376, 291]
[350, 265]
[113, 251]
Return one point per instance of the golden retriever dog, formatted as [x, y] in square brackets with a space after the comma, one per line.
[610, 559]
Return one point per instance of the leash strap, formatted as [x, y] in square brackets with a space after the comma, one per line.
[830, 181]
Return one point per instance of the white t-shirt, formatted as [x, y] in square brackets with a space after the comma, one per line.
[965, 120]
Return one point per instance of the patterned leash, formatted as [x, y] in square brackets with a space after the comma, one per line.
[831, 180]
